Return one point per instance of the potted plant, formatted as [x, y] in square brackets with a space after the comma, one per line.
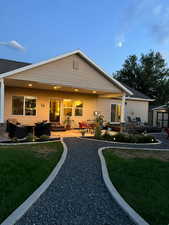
[83, 132]
[99, 124]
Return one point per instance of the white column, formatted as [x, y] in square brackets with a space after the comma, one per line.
[2, 101]
[123, 108]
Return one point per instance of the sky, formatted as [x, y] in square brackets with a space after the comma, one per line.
[105, 30]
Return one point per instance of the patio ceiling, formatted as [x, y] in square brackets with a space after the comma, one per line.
[58, 87]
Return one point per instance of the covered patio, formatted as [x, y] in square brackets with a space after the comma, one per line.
[70, 86]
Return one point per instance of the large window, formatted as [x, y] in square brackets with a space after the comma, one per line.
[68, 107]
[115, 112]
[72, 108]
[78, 108]
[17, 105]
[30, 106]
[24, 105]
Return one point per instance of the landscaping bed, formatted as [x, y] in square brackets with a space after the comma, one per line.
[126, 138]
[22, 169]
[141, 177]
[28, 140]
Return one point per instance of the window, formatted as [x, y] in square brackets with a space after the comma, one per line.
[68, 106]
[17, 105]
[115, 112]
[78, 108]
[30, 106]
[24, 105]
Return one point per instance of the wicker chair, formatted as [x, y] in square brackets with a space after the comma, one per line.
[16, 130]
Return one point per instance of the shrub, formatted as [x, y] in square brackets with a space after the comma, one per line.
[30, 138]
[106, 136]
[120, 137]
[130, 138]
[44, 137]
[97, 133]
[83, 132]
[146, 139]
[14, 139]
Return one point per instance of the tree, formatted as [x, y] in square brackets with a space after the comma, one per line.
[149, 75]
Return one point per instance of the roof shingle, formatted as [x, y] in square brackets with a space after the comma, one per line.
[9, 65]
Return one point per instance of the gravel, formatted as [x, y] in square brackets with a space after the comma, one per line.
[78, 195]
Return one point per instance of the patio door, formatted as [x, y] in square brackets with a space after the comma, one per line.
[115, 112]
[162, 119]
[54, 115]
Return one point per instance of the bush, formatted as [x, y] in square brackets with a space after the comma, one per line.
[129, 138]
[14, 139]
[97, 133]
[146, 139]
[106, 136]
[44, 137]
[30, 138]
[83, 132]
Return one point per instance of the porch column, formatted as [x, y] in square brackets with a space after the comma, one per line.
[122, 119]
[2, 100]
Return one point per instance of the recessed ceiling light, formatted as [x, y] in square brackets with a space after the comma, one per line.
[56, 87]
[94, 92]
[76, 89]
[30, 85]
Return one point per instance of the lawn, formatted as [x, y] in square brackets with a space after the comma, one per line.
[22, 169]
[142, 178]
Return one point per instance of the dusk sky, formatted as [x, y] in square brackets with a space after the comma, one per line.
[107, 31]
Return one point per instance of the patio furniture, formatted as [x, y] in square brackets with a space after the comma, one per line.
[129, 119]
[56, 126]
[151, 129]
[83, 125]
[42, 128]
[16, 130]
[134, 128]
[89, 126]
[138, 119]
[112, 127]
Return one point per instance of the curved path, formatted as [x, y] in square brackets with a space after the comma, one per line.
[78, 195]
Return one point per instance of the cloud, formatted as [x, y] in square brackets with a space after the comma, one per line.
[13, 44]
[152, 16]
[119, 44]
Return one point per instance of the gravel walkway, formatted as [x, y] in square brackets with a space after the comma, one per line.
[78, 195]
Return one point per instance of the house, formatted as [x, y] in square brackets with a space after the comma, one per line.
[137, 105]
[70, 84]
[161, 116]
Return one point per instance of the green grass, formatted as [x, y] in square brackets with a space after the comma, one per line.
[22, 169]
[144, 184]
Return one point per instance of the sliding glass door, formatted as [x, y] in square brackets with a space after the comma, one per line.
[115, 112]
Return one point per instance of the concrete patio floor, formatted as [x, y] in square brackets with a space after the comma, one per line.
[69, 133]
[75, 133]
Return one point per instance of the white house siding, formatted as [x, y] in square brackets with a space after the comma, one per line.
[69, 71]
[137, 109]
[104, 106]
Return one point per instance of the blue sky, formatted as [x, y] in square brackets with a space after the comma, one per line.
[107, 31]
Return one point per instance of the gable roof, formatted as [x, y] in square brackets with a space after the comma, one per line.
[79, 52]
[137, 94]
[161, 107]
[7, 65]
